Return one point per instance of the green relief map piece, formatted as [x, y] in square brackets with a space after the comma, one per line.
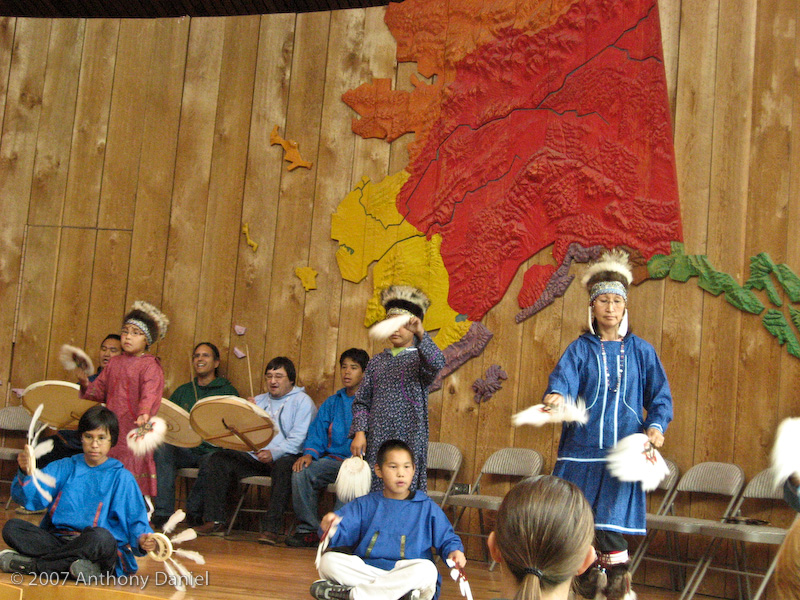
[776, 324]
[789, 281]
[761, 268]
[794, 315]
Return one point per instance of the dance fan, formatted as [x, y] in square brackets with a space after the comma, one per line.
[75, 358]
[354, 479]
[36, 450]
[165, 551]
[541, 414]
[146, 438]
[326, 539]
[634, 458]
[786, 451]
[458, 575]
[402, 302]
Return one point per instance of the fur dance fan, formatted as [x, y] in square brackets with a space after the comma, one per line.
[354, 479]
[635, 459]
[75, 358]
[146, 438]
[565, 412]
[165, 552]
[36, 450]
[786, 451]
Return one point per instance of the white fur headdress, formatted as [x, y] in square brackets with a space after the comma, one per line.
[611, 261]
[149, 319]
[402, 302]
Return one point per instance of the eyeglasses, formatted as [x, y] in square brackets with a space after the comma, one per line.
[102, 439]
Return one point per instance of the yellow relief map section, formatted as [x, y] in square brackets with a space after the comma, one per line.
[368, 228]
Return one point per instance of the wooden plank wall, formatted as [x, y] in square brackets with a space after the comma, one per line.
[131, 152]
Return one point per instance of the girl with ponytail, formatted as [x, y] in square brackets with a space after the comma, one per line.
[542, 538]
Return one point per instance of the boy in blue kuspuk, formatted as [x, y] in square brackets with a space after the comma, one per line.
[391, 534]
[96, 521]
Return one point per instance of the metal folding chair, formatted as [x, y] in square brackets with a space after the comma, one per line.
[443, 457]
[761, 487]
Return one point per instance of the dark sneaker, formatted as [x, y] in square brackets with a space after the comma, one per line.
[412, 595]
[85, 571]
[327, 590]
[211, 528]
[14, 562]
[270, 538]
[158, 521]
[303, 540]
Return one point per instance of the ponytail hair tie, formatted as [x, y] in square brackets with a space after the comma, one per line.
[532, 571]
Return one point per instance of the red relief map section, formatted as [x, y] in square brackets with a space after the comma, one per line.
[552, 134]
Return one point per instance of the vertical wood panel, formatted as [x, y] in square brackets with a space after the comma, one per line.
[108, 286]
[17, 147]
[254, 270]
[126, 124]
[90, 131]
[7, 25]
[157, 161]
[190, 196]
[292, 236]
[55, 126]
[76, 255]
[229, 159]
[36, 307]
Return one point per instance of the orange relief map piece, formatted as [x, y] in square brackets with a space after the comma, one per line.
[291, 154]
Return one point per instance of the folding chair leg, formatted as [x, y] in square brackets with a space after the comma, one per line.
[236, 512]
[483, 536]
[458, 517]
[699, 571]
[640, 551]
[767, 576]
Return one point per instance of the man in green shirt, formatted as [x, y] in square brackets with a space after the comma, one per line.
[169, 458]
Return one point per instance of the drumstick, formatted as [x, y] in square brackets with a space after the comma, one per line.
[191, 376]
[249, 370]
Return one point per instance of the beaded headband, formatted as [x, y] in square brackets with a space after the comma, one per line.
[141, 325]
[607, 287]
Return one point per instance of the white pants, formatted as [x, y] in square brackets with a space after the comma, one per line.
[372, 583]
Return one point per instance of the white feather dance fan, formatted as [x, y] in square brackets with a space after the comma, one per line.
[179, 576]
[635, 459]
[564, 412]
[614, 261]
[146, 438]
[786, 451]
[354, 479]
[383, 330]
[326, 540]
[74, 358]
[36, 450]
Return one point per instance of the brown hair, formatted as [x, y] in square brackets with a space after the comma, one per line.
[543, 529]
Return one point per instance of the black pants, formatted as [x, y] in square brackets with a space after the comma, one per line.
[54, 553]
[225, 468]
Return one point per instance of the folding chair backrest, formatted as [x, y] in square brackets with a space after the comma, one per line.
[723, 479]
[520, 462]
[445, 457]
[668, 485]
[762, 486]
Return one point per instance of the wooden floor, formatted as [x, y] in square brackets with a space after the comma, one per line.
[242, 568]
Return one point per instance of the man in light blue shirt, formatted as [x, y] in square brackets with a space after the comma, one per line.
[291, 410]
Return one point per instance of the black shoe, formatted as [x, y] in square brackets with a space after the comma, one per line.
[412, 595]
[303, 540]
[211, 528]
[14, 562]
[85, 571]
[158, 521]
[327, 590]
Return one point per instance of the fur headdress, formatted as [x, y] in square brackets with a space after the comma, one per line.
[397, 299]
[149, 319]
[402, 302]
[613, 265]
[611, 274]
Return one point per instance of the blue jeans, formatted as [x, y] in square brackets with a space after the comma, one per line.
[306, 486]
[169, 459]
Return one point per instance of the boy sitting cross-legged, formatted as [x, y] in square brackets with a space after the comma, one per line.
[96, 521]
[391, 533]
